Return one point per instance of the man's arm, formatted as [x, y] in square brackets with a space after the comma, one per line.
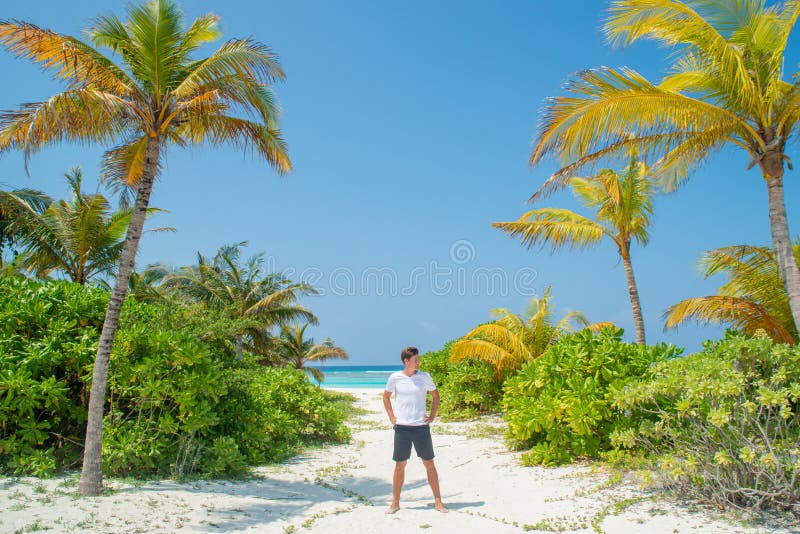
[387, 404]
[434, 406]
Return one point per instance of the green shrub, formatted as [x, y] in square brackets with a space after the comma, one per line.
[725, 422]
[48, 338]
[178, 402]
[272, 412]
[224, 458]
[559, 405]
[467, 388]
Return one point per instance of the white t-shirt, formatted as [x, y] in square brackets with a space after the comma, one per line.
[409, 396]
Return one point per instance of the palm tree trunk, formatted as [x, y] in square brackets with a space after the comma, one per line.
[92, 473]
[779, 228]
[239, 342]
[633, 293]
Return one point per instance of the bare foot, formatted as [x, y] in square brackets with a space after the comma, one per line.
[441, 508]
[392, 509]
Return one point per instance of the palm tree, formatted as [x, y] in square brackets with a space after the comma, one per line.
[623, 204]
[18, 208]
[297, 351]
[512, 340]
[752, 299]
[244, 291]
[160, 95]
[80, 237]
[726, 88]
[144, 286]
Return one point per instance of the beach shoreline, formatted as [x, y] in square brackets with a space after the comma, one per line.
[348, 487]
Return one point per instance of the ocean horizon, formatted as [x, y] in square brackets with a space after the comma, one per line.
[356, 376]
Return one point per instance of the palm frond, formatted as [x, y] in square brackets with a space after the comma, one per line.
[122, 166]
[741, 313]
[324, 352]
[606, 108]
[571, 322]
[155, 30]
[88, 115]
[318, 375]
[492, 343]
[597, 327]
[241, 58]
[677, 23]
[500, 358]
[205, 29]
[245, 135]
[68, 58]
[554, 226]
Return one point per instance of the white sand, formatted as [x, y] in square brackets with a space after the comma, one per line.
[347, 488]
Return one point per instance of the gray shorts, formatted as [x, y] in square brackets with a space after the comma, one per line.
[419, 436]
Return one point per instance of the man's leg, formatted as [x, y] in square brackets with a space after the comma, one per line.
[402, 451]
[397, 485]
[433, 480]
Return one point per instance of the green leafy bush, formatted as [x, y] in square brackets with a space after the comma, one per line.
[559, 405]
[48, 337]
[726, 422]
[178, 401]
[272, 412]
[224, 458]
[467, 388]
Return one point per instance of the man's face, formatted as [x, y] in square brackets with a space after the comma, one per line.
[413, 363]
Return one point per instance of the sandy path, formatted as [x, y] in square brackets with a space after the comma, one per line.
[347, 488]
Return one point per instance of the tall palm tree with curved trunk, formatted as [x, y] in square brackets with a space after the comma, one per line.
[244, 291]
[512, 340]
[298, 351]
[623, 204]
[752, 299]
[160, 95]
[726, 87]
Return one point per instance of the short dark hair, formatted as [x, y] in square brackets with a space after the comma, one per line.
[408, 353]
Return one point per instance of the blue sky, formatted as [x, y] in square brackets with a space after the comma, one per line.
[410, 127]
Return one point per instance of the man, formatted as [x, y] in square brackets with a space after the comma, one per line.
[410, 388]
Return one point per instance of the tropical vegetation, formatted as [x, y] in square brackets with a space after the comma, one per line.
[559, 405]
[724, 423]
[468, 387]
[80, 238]
[244, 292]
[623, 202]
[511, 340]
[725, 87]
[204, 369]
[161, 95]
[180, 403]
[295, 350]
[752, 300]
[16, 206]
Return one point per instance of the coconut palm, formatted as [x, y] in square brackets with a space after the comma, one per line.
[144, 285]
[623, 205]
[297, 351]
[243, 291]
[19, 209]
[80, 237]
[160, 95]
[752, 299]
[726, 88]
[512, 340]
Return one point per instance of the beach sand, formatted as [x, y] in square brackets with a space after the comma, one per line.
[347, 489]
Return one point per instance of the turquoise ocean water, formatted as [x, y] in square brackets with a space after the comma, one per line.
[357, 376]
